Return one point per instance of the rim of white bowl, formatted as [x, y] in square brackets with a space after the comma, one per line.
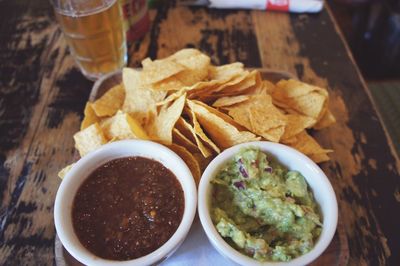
[329, 218]
[188, 186]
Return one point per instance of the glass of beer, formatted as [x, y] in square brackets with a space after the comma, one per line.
[95, 34]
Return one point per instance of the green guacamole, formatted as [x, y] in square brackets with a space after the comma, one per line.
[262, 209]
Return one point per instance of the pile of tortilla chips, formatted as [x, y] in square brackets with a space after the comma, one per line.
[198, 109]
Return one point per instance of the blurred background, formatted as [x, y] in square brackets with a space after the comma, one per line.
[372, 31]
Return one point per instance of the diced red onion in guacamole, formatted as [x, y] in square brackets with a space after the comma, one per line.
[242, 170]
[239, 185]
[268, 169]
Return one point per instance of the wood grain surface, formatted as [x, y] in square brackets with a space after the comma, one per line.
[42, 96]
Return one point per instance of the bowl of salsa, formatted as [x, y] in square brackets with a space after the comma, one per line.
[129, 202]
[264, 203]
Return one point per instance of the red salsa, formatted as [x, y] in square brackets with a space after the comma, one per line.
[127, 208]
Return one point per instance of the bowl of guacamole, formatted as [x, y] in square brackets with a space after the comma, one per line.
[264, 203]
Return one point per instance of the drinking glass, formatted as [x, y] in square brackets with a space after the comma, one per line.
[95, 35]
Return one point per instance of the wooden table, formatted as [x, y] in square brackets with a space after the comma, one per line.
[42, 95]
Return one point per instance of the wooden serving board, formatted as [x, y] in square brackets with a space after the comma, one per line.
[337, 252]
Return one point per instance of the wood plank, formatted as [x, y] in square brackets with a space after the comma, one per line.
[227, 36]
[43, 95]
[23, 52]
[363, 170]
[41, 113]
[28, 218]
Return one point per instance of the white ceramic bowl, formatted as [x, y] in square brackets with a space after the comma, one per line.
[81, 170]
[293, 160]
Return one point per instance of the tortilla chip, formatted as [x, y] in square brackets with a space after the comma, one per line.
[181, 139]
[267, 87]
[290, 141]
[158, 70]
[260, 116]
[147, 62]
[187, 129]
[226, 87]
[319, 157]
[226, 75]
[202, 161]
[196, 64]
[251, 79]
[189, 159]
[296, 124]
[140, 100]
[312, 104]
[110, 102]
[303, 98]
[89, 139]
[90, 116]
[230, 100]
[284, 107]
[223, 133]
[199, 132]
[240, 82]
[65, 170]
[306, 144]
[172, 97]
[226, 72]
[326, 120]
[220, 114]
[273, 134]
[112, 140]
[166, 119]
[294, 88]
[191, 58]
[169, 84]
[122, 126]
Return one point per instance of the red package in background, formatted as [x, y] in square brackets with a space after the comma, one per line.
[278, 5]
[136, 18]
